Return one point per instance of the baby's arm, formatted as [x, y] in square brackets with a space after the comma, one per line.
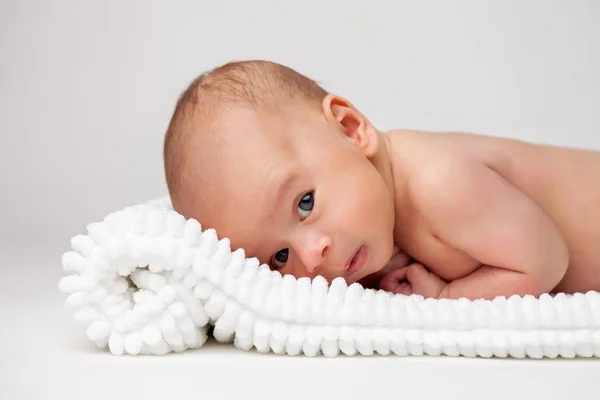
[470, 207]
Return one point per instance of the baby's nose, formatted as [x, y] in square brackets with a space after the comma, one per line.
[312, 248]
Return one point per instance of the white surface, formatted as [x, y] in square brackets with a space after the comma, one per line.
[86, 90]
[44, 355]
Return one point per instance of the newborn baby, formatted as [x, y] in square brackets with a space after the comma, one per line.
[302, 180]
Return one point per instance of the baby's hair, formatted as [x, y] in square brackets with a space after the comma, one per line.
[263, 86]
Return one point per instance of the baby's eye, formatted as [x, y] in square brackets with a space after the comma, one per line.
[280, 258]
[306, 204]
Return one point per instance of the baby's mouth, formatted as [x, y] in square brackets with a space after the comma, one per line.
[357, 262]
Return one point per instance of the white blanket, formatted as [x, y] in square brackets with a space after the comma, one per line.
[147, 281]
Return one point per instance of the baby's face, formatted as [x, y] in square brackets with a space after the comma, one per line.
[301, 196]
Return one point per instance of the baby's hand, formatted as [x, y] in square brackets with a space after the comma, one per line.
[413, 279]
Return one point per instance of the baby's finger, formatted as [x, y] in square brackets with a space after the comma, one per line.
[419, 279]
[398, 273]
[404, 288]
[390, 282]
[417, 274]
[424, 282]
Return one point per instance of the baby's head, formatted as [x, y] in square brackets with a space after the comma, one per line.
[295, 176]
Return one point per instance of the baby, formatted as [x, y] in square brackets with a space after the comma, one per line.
[302, 180]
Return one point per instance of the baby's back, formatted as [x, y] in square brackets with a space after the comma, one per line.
[564, 182]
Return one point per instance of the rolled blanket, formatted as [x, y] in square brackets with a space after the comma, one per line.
[147, 281]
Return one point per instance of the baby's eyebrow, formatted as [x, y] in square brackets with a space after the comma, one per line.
[283, 187]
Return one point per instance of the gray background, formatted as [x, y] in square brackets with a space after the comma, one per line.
[87, 88]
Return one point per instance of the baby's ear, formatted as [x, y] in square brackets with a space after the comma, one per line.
[352, 122]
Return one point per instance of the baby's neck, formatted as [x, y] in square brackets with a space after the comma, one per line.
[382, 161]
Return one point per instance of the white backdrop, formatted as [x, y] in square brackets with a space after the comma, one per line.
[87, 89]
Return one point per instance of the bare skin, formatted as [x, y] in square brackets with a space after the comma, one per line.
[562, 196]
[443, 215]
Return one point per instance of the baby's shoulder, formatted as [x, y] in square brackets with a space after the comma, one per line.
[425, 163]
[412, 150]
